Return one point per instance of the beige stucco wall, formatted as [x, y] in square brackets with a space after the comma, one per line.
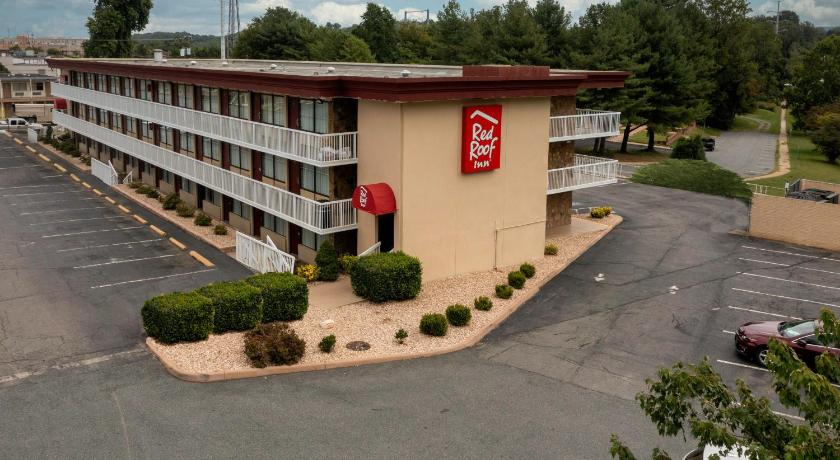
[305, 254]
[796, 221]
[241, 224]
[454, 222]
[212, 210]
[150, 179]
[278, 239]
[166, 188]
[188, 198]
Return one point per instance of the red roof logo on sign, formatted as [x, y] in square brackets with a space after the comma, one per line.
[482, 138]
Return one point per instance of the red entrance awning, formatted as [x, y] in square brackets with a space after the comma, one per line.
[376, 199]
[60, 104]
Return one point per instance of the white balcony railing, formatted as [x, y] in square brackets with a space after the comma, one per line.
[585, 124]
[321, 218]
[587, 172]
[312, 148]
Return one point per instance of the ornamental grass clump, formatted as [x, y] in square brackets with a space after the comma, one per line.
[273, 344]
[483, 303]
[528, 270]
[237, 305]
[550, 249]
[434, 324]
[220, 229]
[185, 210]
[516, 280]
[171, 201]
[458, 315]
[400, 336]
[285, 296]
[327, 344]
[178, 317]
[503, 291]
[387, 276]
[202, 220]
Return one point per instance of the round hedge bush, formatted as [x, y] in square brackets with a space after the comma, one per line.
[285, 296]
[458, 315]
[516, 280]
[528, 270]
[273, 344]
[327, 344]
[178, 317]
[503, 291]
[387, 276]
[434, 324]
[237, 305]
[327, 261]
[483, 303]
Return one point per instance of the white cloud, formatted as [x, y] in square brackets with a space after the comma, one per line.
[344, 14]
[258, 7]
[819, 12]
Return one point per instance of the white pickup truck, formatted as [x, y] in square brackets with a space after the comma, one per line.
[18, 123]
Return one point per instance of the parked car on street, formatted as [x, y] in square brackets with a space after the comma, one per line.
[752, 338]
[18, 123]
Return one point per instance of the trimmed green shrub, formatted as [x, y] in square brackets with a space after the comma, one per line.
[327, 343]
[237, 305]
[516, 280]
[434, 324]
[528, 270]
[400, 336]
[483, 303]
[171, 201]
[178, 317]
[550, 249]
[202, 220]
[273, 344]
[327, 261]
[135, 185]
[503, 291]
[308, 272]
[153, 194]
[285, 296]
[387, 276]
[600, 213]
[347, 262]
[220, 229]
[688, 149]
[185, 209]
[694, 176]
[143, 189]
[458, 315]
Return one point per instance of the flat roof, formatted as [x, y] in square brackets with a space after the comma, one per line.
[25, 77]
[392, 82]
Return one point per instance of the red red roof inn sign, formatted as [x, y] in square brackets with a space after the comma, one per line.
[481, 149]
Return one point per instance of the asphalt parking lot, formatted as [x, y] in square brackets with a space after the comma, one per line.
[77, 268]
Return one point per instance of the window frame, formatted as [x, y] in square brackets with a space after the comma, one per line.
[239, 153]
[185, 96]
[270, 222]
[239, 104]
[320, 177]
[212, 142]
[273, 109]
[210, 96]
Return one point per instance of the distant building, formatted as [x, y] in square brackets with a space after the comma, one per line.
[28, 66]
[24, 90]
[64, 46]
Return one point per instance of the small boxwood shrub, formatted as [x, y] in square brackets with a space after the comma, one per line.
[483, 303]
[143, 189]
[458, 315]
[135, 185]
[327, 343]
[516, 280]
[273, 344]
[185, 209]
[327, 261]
[387, 276]
[220, 229]
[434, 324]
[308, 272]
[178, 317]
[600, 213]
[528, 270]
[171, 201]
[237, 305]
[285, 296]
[503, 291]
[202, 220]
[347, 262]
[400, 336]
[153, 194]
[550, 249]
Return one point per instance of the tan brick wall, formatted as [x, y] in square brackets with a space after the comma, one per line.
[796, 221]
[807, 183]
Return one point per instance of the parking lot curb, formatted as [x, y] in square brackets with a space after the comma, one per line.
[75, 177]
[59, 167]
[29, 147]
[124, 209]
[204, 261]
[178, 244]
[198, 377]
[157, 230]
[140, 219]
[44, 157]
[20, 142]
[110, 200]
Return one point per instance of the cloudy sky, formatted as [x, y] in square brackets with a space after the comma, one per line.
[67, 17]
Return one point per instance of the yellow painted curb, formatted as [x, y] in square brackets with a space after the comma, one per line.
[29, 147]
[157, 230]
[124, 209]
[273, 370]
[8, 134]
[140, 219]
[86, 185]
[43, 157]
[97, 192]
[59, 167]
[110, 200]
[178, 244]
[75, 177]
[19, 141]
[201, 259]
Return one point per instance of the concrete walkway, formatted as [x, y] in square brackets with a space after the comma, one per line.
[748, 153]
[784, 154]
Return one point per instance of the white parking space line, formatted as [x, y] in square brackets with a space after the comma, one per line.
[763, 262]
[52, 201]
[786, 297]
[791, 253]
[78, 220]
[761, 312]
[35, 213]
[748, 366]
[81, 248]
[151, 279]
[20, 167]
[49, 177]
[34, 186]
[71, 365]
[774, 278]
[125, 261]
[93, 231]
[789, 265]
[4, 157]
[46, 193]
[728, 332]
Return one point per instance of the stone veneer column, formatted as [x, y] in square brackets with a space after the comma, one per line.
[560, 154]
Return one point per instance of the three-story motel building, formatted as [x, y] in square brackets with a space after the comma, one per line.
[465, 167]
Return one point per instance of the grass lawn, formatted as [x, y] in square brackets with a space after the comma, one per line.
[708, 131]
[745, 122]
[641, 137]
[695, 176]
[805, 162]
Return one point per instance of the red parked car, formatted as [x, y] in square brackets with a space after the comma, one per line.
[752, 338]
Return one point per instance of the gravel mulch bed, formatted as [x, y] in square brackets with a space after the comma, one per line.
[74, 161]
[377, 323]
[222, 242]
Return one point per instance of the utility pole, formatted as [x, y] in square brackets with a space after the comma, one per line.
[222, 26]
[778, 8]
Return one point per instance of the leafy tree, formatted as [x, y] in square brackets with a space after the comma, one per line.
[414, 43]
[379, 30]
[816, 81]
[554, 23]
[695, 399]
[111, 26]
[278, 34]
[453, 34]
[334, 44]
[509, 34]
[827, 136]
